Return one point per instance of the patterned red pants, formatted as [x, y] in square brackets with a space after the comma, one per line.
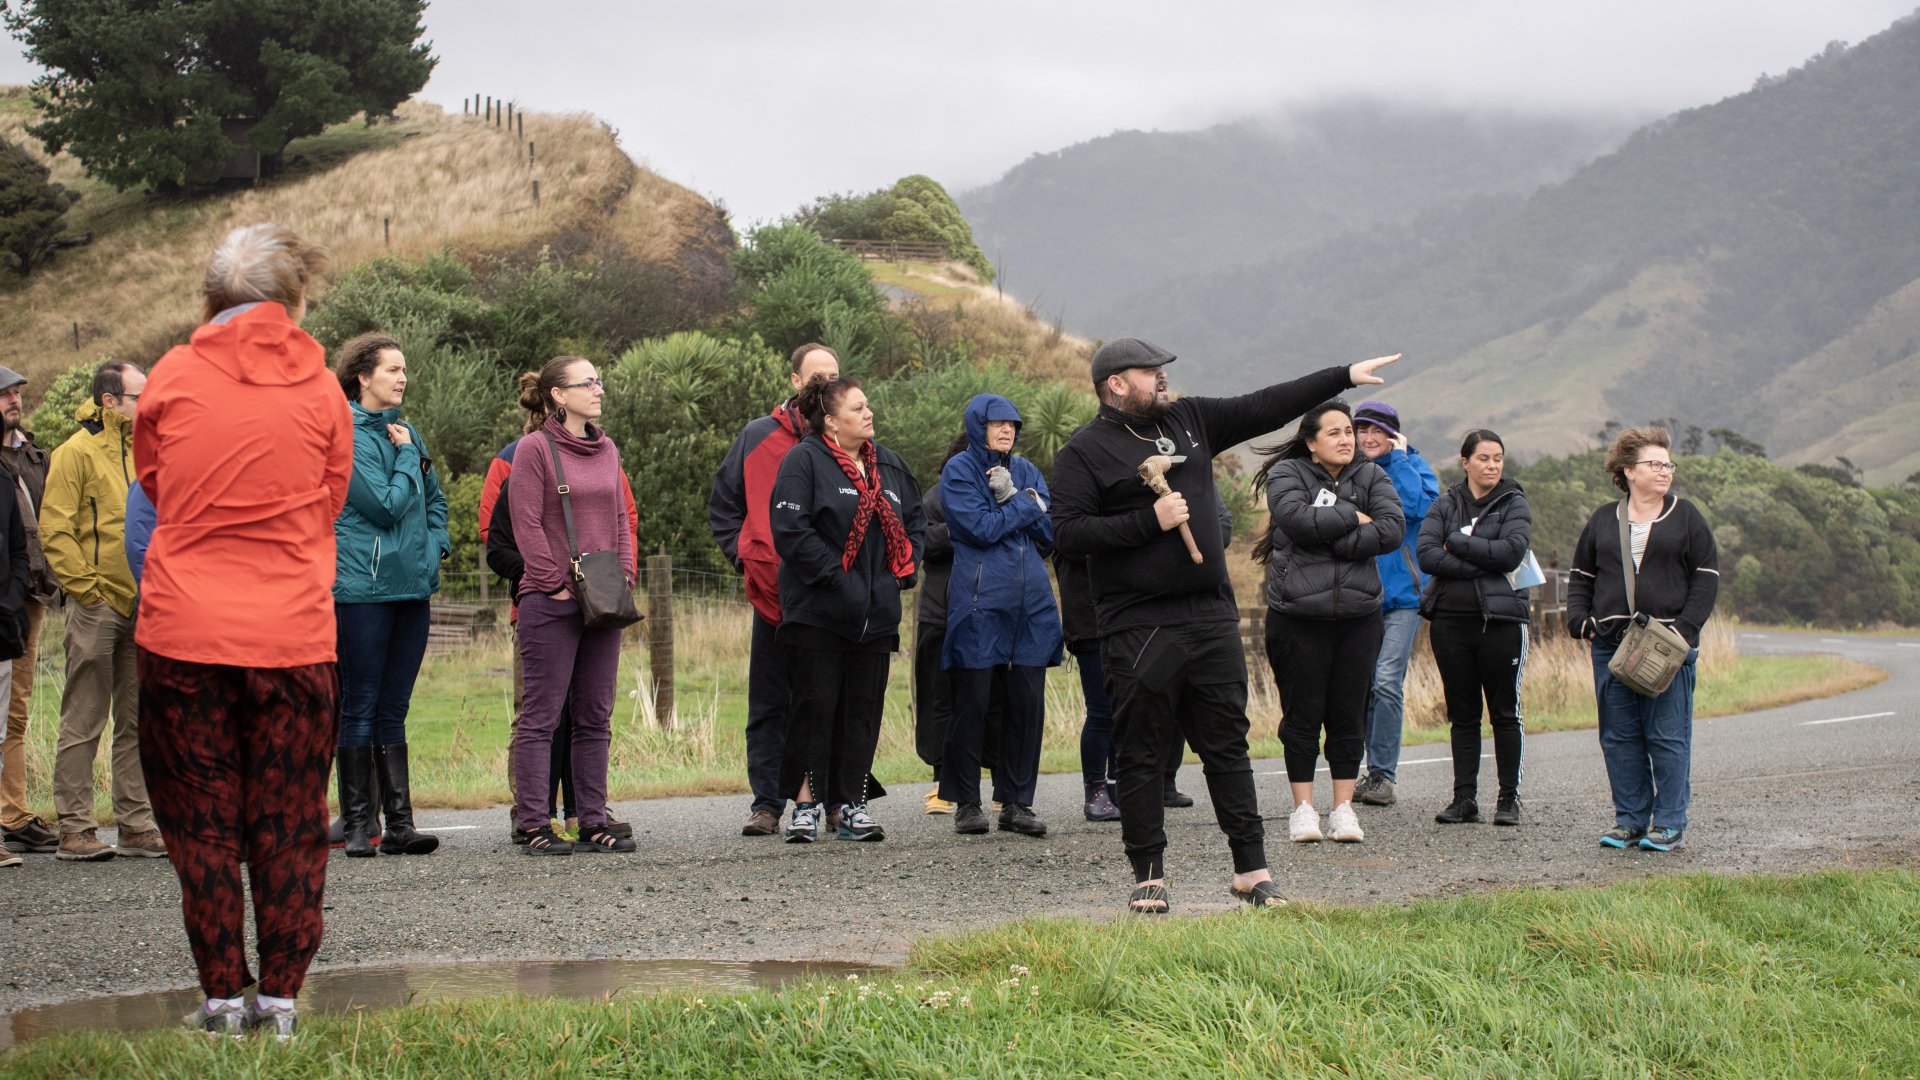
[237, 761]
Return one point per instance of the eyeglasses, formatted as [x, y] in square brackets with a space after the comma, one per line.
[583, 384]
[1657, 466]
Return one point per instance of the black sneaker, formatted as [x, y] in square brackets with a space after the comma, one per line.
[544, 841]
[1507, 810]
[598, 838]
[1621, 836]
[968, 820]
[32, 838]
[1375, 790]
[1173, 796]
[1459, 812]
[1020, 819]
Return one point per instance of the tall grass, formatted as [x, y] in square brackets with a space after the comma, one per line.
[1816, 975]
[441, 181]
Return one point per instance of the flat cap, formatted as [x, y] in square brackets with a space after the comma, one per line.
[1122, 353]
[10, 378]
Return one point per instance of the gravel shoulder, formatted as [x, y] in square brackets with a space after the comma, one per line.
[1824, 783]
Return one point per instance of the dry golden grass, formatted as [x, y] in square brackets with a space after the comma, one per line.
[443, 181]
[1000, 327]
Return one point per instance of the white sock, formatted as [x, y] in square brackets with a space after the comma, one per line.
[263, 1002]
[215, 1004]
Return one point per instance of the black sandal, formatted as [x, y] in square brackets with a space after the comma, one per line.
[1148, 894]
[543, 841]
[598, 838]
[1264, 894]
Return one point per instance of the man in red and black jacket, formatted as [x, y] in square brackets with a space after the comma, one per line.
[737, 512]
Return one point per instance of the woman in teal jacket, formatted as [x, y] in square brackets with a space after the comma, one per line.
[390, 538]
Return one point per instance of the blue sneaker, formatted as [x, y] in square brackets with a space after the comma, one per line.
[1621, 836]
[804, 826]
[1660, 838]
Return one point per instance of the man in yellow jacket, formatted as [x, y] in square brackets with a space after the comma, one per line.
[83, 531]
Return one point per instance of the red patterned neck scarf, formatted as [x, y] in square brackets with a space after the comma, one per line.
[872, 504]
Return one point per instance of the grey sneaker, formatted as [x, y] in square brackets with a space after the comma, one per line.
[1621, 836]
[804, 826]
[1375, 790]
[280, 1023]
[856, 824]
[228, 1021]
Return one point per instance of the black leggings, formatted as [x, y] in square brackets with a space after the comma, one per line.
[1324, 669]
[1479, 659]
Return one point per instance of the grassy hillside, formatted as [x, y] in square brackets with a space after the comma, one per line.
[442, 181]
[1748, 264]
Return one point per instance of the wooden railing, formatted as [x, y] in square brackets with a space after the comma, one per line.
[896, 250]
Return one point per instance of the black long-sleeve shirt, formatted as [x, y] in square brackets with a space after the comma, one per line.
[1142, 575]
[1677, 583]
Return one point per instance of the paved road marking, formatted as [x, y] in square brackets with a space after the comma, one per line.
[1750, 634]
[1835, 641]
[445, 828]
[1908, 644]
[1404, 764]
[1844, 719]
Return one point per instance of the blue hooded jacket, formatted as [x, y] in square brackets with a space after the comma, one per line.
[1401, 581]
[1000, 606]
[392, 534]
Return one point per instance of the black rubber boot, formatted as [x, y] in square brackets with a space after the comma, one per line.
[355, 766]
[396, 799]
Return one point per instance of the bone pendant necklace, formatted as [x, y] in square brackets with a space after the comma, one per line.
[1161, 445]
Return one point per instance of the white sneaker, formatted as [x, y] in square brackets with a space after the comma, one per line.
[1303, 826]
[1344, 825]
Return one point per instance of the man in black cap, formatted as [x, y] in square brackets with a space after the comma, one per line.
[1170, 639]
[26, 473]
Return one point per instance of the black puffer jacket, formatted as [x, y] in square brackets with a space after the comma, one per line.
[1497, 546]
[936, 564]
[811, 515]
[1322, 565]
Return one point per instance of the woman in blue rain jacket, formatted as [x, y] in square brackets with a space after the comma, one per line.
[1001, 616]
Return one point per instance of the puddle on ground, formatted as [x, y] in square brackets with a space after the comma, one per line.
[377, 987]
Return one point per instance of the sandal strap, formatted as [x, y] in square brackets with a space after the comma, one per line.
[1147, 894]
[1262, 894]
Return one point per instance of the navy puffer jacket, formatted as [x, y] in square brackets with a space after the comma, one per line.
[1000, 606]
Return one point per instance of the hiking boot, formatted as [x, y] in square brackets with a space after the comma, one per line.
[968, 820]
[1661, 838]
[1343, 826]
[279, 1023]
[1375, 790]
[937, 805]
[598, 838]
[544, 841]
[1459, 812]
[856, 824]
[219, 1021]
[82, 846]
[1100, 804]
[1507, 810]
[1621, 836]
[762, 822]
[804, 826]
[141, 844]
[33, 838]
[1020, 819]
[1303, 825]
[1173, 796]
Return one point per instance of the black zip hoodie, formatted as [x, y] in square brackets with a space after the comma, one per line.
[811, 514]
[1679, 577]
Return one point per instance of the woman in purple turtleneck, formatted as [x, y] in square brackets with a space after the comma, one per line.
[564, 662]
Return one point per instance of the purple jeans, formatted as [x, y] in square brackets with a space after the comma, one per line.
[563, 664]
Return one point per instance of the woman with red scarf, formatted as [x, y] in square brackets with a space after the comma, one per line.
[847, 523]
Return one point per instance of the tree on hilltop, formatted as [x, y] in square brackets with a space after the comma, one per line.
[137, 91]
[30, 208]
[916, 209]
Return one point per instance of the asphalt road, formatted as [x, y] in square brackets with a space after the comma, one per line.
[1825, 783]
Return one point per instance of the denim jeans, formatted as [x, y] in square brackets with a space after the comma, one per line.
[1648, 745]
[380, 649]
[1386, 716]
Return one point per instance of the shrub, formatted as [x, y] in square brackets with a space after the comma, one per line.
[53, 420]
[30, 208]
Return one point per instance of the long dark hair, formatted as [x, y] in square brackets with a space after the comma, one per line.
[1295, 446]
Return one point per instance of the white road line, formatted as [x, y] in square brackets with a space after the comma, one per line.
[1844, 719]
[1908, 644]
[1835, 641]
[1415, 761]
[445, 828]
[1750, 634]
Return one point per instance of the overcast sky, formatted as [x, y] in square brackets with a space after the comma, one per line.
[765, 105]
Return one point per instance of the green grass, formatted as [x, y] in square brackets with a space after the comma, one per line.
[1816, 975]
[925, 279]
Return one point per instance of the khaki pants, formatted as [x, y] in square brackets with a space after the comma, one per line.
[100, 674]
[13, 747]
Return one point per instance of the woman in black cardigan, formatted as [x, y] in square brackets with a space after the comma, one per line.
[1474, 536]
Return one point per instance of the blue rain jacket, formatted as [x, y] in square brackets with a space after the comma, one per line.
[1000, 607]
[392, 534]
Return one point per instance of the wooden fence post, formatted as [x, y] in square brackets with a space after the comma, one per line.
[660, 634]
